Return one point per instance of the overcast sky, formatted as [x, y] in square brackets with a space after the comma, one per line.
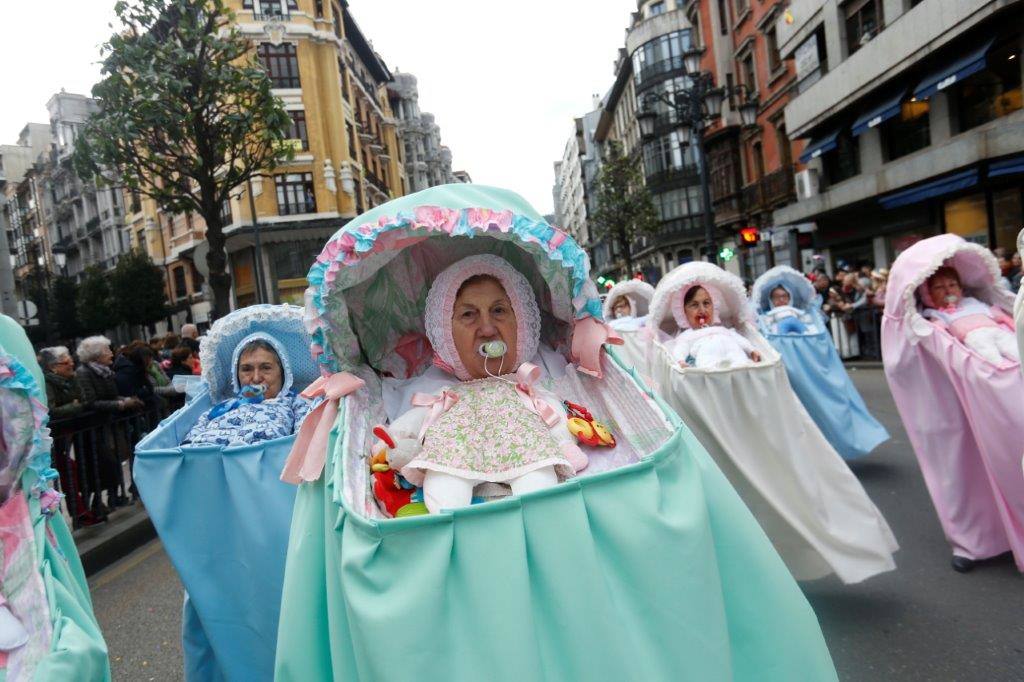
[504, 79]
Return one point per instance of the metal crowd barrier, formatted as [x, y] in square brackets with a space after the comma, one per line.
[93, 452]
[857, 334]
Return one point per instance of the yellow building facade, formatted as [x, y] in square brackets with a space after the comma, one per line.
[347, 159]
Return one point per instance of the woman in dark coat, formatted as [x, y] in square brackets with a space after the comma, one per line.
[104, 452]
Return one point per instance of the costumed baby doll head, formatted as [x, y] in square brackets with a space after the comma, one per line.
[482, 318]
[780, 296]
[622, 307]
[942, 289]
[694, 307]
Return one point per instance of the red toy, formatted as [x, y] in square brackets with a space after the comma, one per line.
[588, 431]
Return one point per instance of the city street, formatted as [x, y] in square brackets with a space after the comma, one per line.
[922, 622]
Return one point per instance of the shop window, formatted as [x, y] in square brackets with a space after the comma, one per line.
[281, 63]
[1008, 214]
[908, 132]
[993, 92]
[843, 162]
[863, 22]
[968, 218]
[295, 194]
[297, 129]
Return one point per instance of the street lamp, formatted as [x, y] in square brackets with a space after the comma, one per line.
[748, 112]
[695, 108]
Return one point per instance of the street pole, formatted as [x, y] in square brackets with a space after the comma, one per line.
[705, 188]
[258, 251]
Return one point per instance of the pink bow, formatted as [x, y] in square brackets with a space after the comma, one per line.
[526, 377]
[588, 338]
[309, 452]
[438, 404]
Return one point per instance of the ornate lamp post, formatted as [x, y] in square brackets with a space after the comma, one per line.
[696, 108]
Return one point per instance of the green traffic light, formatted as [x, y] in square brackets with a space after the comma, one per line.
[726, 254]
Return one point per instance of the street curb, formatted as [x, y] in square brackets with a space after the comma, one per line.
[103, 544]
[863, 364]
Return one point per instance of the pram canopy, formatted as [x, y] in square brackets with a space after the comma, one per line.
[809, 503]
[631, 329]
[222, 512]
[814, 368]
[578, 581]
[962, 412]
[42, 583]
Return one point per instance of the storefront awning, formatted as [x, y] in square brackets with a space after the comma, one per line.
[885, 110]
[819, 145]
[935, 188]
[1011, 166]
[954, 71]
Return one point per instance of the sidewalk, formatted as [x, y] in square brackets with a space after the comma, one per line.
[127, 529]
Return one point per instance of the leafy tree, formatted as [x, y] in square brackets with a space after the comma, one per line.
[96, 310]
[625, 209]
[186, 115]
[137, 289]
[63, 305]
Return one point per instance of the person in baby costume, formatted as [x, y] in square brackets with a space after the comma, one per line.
[985, 329]
[784, 318]
[626, 305]
[704, 342]
[490, 423]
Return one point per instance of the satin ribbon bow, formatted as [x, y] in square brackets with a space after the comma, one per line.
[309, 452]
[527, 375]
[438, 404]
[588, 338]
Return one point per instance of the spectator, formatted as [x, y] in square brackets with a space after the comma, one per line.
[190, 331]
[132, 373]
[1015, 272]
[171, 341]
[99, 393]
[879, 281]
[62, 392]
[181, 362]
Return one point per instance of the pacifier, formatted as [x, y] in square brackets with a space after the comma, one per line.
[253, 390]
[493, 349]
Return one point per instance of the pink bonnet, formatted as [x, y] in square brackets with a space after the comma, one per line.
[441, 302]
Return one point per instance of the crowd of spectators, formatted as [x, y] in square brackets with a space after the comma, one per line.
[103, 403]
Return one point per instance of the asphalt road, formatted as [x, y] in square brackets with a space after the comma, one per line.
[921, 622]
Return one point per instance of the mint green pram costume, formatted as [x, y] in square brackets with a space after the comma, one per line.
[647, 566]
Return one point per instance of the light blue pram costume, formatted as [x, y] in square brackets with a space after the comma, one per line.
[223, 512]
[646, 566]
[799, 333]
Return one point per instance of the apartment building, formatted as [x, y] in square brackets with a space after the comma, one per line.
[912, 115]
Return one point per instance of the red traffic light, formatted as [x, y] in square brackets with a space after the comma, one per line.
[609, 284]
[639, 276]
[749, 236]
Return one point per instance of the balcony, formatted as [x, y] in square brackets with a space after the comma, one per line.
[773, 190]
[376, 183]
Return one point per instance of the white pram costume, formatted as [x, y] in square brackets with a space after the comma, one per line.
[708, 347]
[631, 328]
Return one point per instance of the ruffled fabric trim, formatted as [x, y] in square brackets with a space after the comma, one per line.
[441, 301]
[354, 243]
[15, 377]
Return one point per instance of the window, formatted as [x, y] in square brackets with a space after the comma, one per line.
[771, 46]
[757, 152]
[1008, 214]
[968, 218]
[723, 17]
[656, 9]
[785, 147]
[843, 162]
[811, 60]
[863, 22]
[993, 92]
[741, 6]
[297, 130]
[667, 89]
[908, 132]
[319, 9]
[281, 63]
[295, 194]
[661, 55]
[336, 10]
[748, 73]
[225, 213]
[180, 290]
[678, 203]
[664, 154]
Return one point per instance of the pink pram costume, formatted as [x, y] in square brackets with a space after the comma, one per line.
[962, 412]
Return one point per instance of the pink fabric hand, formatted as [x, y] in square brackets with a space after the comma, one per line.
[309, 452]
[588, 338]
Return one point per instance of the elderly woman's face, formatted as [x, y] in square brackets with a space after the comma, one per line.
[621, 307]
[64, 367]
[106, 356]
[779, 297]
[260, 366]
[483, 312]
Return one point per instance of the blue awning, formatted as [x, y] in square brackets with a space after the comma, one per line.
[819, 145]
[951, 72]
[885, 110]
[935, 188]
[1006, 166]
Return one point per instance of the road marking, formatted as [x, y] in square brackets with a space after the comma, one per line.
[124, 565]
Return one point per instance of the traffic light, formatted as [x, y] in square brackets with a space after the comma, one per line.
[601, 280]
[609, 284]
[639, 275]
[750, 236]
[726, 254]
